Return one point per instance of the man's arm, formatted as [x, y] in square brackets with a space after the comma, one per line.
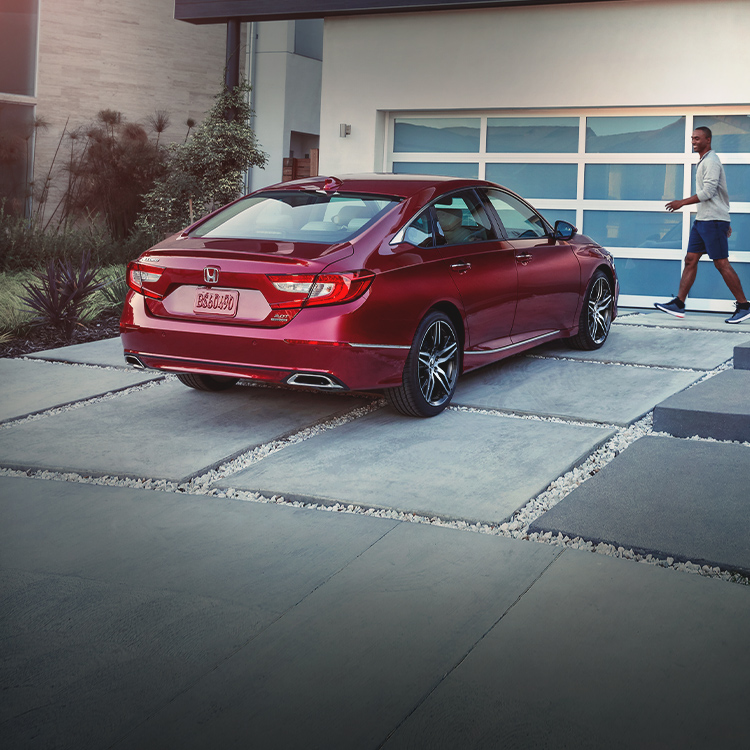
[677, 205]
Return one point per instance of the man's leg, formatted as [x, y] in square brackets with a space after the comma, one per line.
[688, 275]
[731, 279]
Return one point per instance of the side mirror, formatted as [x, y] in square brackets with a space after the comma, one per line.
[564, 230]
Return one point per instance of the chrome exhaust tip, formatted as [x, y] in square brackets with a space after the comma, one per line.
[315, 380]
[131, 359]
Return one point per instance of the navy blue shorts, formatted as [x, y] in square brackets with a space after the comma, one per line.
[710, 237]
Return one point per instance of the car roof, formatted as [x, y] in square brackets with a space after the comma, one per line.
[380, 183]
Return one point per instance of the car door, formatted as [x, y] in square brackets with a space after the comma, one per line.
[549, 275]
[482, 266]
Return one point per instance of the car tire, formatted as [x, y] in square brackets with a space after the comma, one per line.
[596, 315]
[431, 369]
[206, 382]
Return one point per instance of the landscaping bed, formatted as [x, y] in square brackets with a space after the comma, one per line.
[38, 339]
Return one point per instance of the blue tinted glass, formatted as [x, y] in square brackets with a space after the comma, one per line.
[450, 169]
[651, 278]
[436, 134]
[635, 135]
[710, 285]
[632, 182]
[730, 133]
[740, 239]
[738, 181]
[537, 135]
[536, 180]
[659, 230]
[554, 214]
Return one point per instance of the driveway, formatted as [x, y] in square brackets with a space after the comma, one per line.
[291, 569]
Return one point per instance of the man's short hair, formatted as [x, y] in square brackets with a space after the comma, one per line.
[706, 130]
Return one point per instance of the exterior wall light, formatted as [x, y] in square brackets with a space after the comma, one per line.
[345, 130]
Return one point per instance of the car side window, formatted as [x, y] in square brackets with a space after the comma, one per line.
[461, 219]
[518, 220]
[419, 232]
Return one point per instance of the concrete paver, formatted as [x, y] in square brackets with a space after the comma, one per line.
[600, 654]
[574, 390]
[351, 662]
[429, 467]
[168, 431]
[115, 601]
[662, 347]
[717, 408]
[107, 352]
[30, 387]
[678, 498]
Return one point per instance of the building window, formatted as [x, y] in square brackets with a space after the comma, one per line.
[608, 172]
[19, 22]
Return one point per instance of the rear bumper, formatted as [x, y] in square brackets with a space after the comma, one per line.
[311, 347]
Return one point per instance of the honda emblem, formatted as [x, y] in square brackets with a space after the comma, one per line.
[211, 275]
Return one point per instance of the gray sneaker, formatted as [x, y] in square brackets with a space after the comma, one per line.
[675, 307]
[742, 312]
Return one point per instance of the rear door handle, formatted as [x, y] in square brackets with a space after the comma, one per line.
[524, 257]
[461, 267]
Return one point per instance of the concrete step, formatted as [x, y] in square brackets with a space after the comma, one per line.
[717, 408]
[742, 356]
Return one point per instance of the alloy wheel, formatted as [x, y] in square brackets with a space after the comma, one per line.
[599, 310]
[438, 363]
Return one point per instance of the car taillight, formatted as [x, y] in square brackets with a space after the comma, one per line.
[139, 275]
[321, 289]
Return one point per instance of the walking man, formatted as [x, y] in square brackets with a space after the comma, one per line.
[710, 232]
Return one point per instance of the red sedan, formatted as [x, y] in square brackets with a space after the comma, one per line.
[393, 283]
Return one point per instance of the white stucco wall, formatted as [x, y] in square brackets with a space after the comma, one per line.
[286, 96]
[633, 53]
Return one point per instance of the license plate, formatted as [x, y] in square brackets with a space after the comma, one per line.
[216, 302]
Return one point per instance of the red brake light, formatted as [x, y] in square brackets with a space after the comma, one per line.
[140, 274]
[306, 290]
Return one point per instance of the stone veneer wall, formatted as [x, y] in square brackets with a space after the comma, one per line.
[126, 55]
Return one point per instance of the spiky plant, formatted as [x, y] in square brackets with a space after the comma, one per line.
[59, 293]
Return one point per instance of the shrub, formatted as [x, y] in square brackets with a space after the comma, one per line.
[25, 244]
[112, 165]
[111, 298]
[60, 293]
[207, 170]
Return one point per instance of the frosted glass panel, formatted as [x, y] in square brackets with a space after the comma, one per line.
[436, 134]
[548, 135]
[731, 133]
[635, 135]
[451, 169]
[659, 230]
[656, 278]
[536, 180]
[645, 182]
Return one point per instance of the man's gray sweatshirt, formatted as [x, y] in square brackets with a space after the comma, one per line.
[711, 189]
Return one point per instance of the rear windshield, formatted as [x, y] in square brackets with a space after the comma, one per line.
[296, 216]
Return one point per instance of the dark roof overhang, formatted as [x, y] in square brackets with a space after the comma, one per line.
[220, 11]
